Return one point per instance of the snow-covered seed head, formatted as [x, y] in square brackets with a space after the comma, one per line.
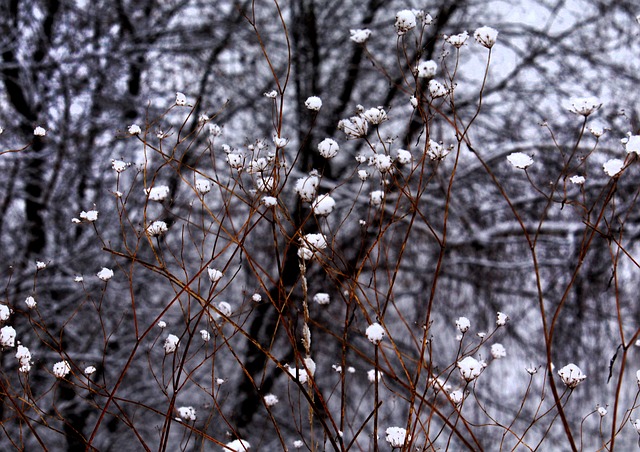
[396, 436]
[426, 69]
[360, 36]
[571, 375]
[187, 413]
[583, 106]
[498, 351]
[375, 333]
[181, 99]
[470, 368]
[171, 343]
[463, 324]
[405, 21]
[323, 205]
[520, 160]
[328, 148]
[486, 36]
[61, 369]
[313, 103]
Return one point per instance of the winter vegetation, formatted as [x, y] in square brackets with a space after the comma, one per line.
[315, 225]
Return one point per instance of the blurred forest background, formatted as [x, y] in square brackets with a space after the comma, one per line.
[85, 71]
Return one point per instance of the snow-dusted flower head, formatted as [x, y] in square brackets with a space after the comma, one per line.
[376, 197]
[237, 445]
[437, 151]
[363, 175]
[520, 160]
[328, 148]
[5, 312]
[105, 274]
[381, 162]
[157, 228]
[602, 411]
[501, 319]
[425, 19]
[583, 106]
[354, 127]
[41, 265]
[437, 89]
[403, 156]
[215, 130]
[636, 423]
[470, 368]
[375, 115]
[463, 324]
[215, 275]
[203, 119]
[271, 399]
[181, 99]
[270, 201]
[7, 336]
[457, 40]
[313, 103]
[257, 165]
[78, 278]
[571, 375]
[597, 129]
[375, 333]
[61, 369]
[205, 335]
[298, 444]
[39, 131]
[119, 165]
[315, 242]
[280, 142]
[396, 436]
[532, 370]
[405, 21]
[578, 180]
[171, 343]
[162, 324]
[256, 298]
[235, 160]
[426, 69]
[413, 100]
[89, 216]
[265, 184]
[486, 36]
[134, 129]
[203, 186]
[498, 351]
[360, 36]
[322, 298]
[371, 375]
[613, 167]
[323, 205]
[30, 302]
[23, 355]
[187, 413]
[158, 193]
[225, 308]
[89, 370]
[306, 186]
[271, 94]
[456, 396]
[632, 144]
